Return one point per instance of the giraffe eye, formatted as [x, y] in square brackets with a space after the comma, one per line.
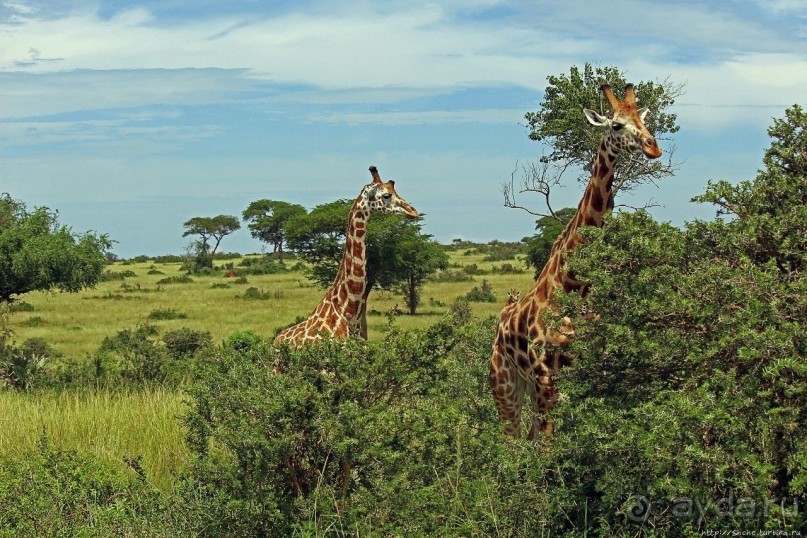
[386, 196]
[617, 126]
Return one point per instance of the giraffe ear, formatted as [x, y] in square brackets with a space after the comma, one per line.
[595, 119]
[643, 112]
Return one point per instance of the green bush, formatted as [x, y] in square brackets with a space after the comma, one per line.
[166, 313]
[179, 279]
[108, 275]
[34, 321]
[394, 438]
[686, 410]
[255, 294]
[53, 492]
[482, 294]
[264, 265]
[448, 275]
[20, 306]
[183, 343]
[137, 356]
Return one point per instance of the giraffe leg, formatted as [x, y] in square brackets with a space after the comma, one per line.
[508, 392]
[542, 397]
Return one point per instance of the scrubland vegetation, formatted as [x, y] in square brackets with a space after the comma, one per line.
[156, 405]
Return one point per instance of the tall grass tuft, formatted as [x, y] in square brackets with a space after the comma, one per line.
[113, 425]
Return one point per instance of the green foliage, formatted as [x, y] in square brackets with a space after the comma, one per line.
[53, 492]
[166, 313]
[318, 238]
[394, 438]
[255, 294]
[39, 254]
[21, 306]
[495, 251]
[561, 125]
[179, 279]
[539, 246]
[399, 256]
[115, 275]
[19, 369]
[184, 343]
[481, 294]
[207, 228]
[691, 383]
[138, 356]
[198, 259]
[268, 220]
[264, 265]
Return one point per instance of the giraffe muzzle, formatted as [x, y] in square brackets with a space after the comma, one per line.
[651, 150]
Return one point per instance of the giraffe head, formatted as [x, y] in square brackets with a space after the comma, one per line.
[513, 296]
[626, 130]
[381, 197]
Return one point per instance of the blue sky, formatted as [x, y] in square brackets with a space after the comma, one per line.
[132, 117]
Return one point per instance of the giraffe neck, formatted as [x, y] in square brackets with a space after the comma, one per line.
[596, 202]
[350, 284]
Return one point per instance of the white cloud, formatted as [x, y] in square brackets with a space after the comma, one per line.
[488, 116]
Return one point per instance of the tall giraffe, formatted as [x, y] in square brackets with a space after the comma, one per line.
[342, 311]
[523, 359]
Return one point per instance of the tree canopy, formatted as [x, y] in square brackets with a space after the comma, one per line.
[39, 254]
[571, 144]
[207, 228]
[268, 220]
[399, 256]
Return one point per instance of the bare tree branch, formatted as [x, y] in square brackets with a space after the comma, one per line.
[537, 177]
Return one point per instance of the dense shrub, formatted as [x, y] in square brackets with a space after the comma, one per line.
[449, 275]
[179, 279]
[183, 343]
[53, 492]
[166, 313]
[137, 355]
[482, 294]
[497, 251]
[255, 294]
[394, 438]
[265, 265]
[687, 408]
[108, 275]
[20, 306]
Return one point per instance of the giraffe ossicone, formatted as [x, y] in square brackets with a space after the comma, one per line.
[526, 351]
[342, 312]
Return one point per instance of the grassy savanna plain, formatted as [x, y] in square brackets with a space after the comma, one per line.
[75, 324]
[119, 425]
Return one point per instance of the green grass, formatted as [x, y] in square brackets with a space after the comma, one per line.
[116, 425]
[75, 324]
[111, 425]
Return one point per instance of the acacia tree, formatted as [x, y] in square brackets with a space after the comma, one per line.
[207, 228]
[268, 220]
[39, 254]
[570, 143]
[399, 255]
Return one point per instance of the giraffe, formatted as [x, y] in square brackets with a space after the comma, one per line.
[343, 309]
[525, 351]
[513, 296]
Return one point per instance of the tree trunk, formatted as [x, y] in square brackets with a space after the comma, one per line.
[412, 295]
